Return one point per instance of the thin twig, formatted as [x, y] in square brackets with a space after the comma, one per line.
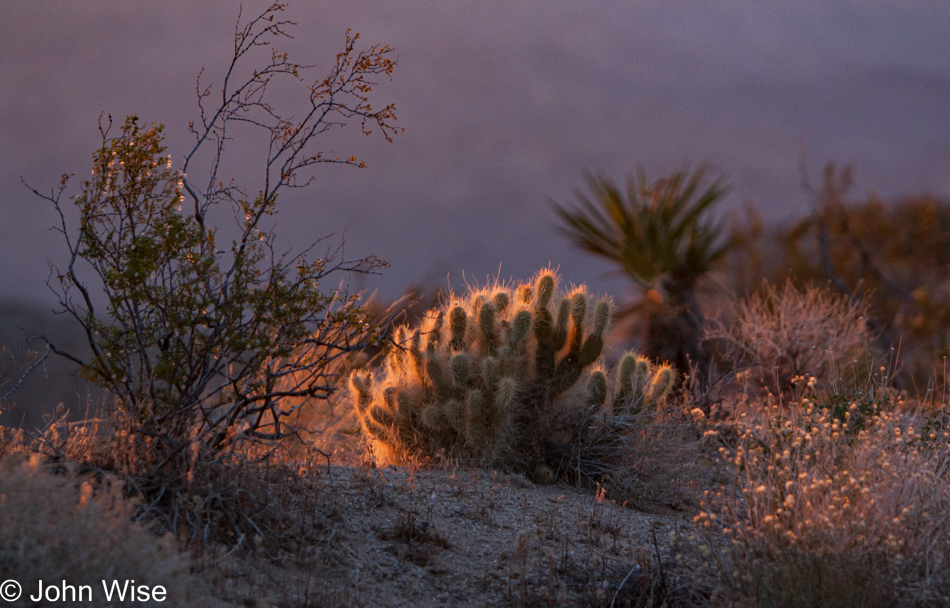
[636, 568]
[27, 372]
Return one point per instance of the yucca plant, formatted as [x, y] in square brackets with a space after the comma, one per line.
[659, 234]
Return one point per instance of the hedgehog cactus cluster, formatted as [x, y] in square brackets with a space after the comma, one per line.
[640, 385]
[483, 374]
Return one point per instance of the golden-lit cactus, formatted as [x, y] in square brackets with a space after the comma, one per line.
[596, 389]
[501, 300]
[660, 384]
[494, 362]
[461, 369]
[375, 421]
[640, 385]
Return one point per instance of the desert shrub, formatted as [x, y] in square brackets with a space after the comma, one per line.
[196, 336]
[832, 505]
[63, 528]
[508, 375]
[833, 488]
[209, 348]
[891, 253]
[782, 334]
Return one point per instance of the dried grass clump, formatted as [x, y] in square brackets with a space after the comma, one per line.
[664, 464]
[782, 333]
[267, 498]
[64, 528]
[837, 499]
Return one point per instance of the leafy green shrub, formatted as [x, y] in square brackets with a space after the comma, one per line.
[210, 347]
[506, 374]
[194, 342]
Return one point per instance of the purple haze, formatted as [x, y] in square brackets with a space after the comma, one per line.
[504, 104]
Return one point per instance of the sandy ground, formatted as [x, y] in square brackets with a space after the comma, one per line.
[421, 538]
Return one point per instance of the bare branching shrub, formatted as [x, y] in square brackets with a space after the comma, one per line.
[783, 333]
[64, 528]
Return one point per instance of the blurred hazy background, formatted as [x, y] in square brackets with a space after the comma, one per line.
[504, 105]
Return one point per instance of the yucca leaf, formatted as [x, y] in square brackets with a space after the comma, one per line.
[655, 231]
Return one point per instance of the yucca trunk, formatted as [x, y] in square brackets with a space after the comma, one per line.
[674, 330]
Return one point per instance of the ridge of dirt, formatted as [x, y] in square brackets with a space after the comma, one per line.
[431, 537]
